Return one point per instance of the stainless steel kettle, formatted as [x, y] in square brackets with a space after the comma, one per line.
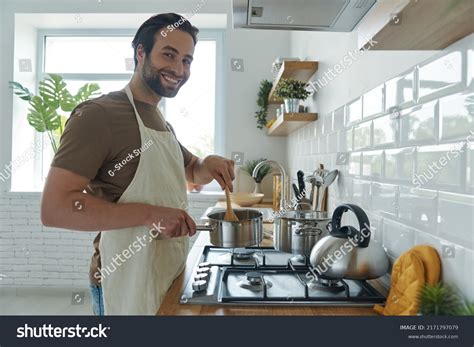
[348, 252]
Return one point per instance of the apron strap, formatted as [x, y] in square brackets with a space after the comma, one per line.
[128, 91]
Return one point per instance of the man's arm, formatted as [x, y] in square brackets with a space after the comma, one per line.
[65, 205]
[203, 171]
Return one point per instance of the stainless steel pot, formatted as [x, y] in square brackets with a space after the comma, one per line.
[248, 231]
[297, 232]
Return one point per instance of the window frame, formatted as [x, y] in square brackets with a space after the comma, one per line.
[216, 35]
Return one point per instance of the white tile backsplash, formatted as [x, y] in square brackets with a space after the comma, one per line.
[373, 102]
[418, 208]
[354, 111]
[456, 218]
[397, 238]
[338, 118]
[440, 167]
[418, 125]
[408, 165]
[456, 115]
[372, 164]
[362, 135]
[385, 131]
[385, 198]
[442, 76]
[399, 164]
[399, 91]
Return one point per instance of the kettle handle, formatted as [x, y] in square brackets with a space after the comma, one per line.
[362, 235]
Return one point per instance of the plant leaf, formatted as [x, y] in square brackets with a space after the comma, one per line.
[23, 92]
[55, 94]
[41, 116]
[87, 91]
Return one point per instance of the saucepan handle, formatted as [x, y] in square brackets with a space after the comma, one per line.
[205, 227]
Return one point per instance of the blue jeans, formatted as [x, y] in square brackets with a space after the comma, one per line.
[97, 299]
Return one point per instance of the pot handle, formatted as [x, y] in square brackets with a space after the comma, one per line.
[205, 227]
[303, 231]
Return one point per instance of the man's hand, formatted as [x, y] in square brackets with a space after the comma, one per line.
[221, 169]
[171, 222]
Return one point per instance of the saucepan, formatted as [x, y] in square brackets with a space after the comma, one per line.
[297, 232]
[248, 231]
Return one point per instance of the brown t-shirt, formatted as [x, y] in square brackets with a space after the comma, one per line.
[98, 136]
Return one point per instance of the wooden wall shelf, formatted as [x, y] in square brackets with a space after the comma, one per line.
[290, 122]
[297, 70]
[416, 25]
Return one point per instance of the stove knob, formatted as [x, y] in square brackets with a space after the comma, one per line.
[202, 276]
[199, 286]
[204, 264]
[202, 270]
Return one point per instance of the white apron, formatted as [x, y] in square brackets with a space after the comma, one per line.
[138, 284]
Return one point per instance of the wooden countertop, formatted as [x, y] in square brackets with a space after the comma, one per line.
[171, 305]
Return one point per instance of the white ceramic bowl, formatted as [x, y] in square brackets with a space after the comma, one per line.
[246, 199]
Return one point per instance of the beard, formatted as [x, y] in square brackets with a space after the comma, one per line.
[152, 77]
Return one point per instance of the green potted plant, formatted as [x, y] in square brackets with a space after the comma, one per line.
[262, 102]
[44, 114]
[442, 300]
[291, 92]
[262, 172]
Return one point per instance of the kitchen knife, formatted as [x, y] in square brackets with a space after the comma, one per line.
[301, 185]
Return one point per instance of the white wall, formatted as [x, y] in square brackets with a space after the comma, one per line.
[387, 155]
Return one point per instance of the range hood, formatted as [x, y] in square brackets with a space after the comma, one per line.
[311, 15]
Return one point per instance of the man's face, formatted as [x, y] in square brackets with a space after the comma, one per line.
[167, 67]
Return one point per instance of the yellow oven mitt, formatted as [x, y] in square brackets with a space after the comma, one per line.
[410, 272]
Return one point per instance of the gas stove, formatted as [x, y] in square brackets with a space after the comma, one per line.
[265, 276]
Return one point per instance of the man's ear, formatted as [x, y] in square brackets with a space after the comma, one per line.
[140, 54]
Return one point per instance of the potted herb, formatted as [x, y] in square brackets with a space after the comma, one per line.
[262, 172]
[291, 92]
[441, 300]
[262, 102]
[44, 112]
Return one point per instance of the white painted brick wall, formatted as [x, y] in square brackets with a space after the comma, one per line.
[34, 255]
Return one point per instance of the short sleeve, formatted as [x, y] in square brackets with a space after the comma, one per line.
[86, 141]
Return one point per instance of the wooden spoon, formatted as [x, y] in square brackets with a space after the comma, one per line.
[229, 214]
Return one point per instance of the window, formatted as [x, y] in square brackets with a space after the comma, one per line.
[106, 57]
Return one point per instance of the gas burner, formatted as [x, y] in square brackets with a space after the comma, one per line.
[328, 285]
[254, 282]
[243, 253]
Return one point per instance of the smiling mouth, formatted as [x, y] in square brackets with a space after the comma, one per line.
[171, 80]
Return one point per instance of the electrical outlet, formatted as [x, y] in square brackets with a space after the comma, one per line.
[238, 158]
[237, 64]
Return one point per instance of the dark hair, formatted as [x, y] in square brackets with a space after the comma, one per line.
[146, 33]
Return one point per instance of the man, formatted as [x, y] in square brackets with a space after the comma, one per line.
[120, 170]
